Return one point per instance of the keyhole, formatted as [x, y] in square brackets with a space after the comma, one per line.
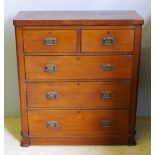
[77, 58]
[78, 112]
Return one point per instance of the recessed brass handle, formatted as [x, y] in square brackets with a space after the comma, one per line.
[107, 67]
[52, 124]
[52, 95]
[106, 124]
[50, 67]
[106, 94]
[49, 41]
[108, 40]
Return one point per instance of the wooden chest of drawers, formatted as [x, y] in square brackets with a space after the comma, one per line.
[78, 76]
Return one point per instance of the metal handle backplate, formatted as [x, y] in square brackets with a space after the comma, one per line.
[106, 94]
[52, 124]
[107, 67]
[49, 41]
[50, 67]
[106, 124]
[52, 95]
[108, 40]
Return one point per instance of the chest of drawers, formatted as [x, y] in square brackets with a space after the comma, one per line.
[78, 76]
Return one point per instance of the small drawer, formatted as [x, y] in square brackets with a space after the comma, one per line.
[50, 40]
[77, 122]
[78, 67]
[107, 41]
[78, 95]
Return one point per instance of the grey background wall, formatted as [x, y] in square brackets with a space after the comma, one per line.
[12, 7]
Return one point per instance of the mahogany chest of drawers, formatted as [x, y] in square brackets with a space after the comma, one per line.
[78, 76]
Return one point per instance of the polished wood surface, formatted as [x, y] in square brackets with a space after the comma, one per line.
[79, 27]
[78, 18]
[78, 67]
[134, 85]
[22, 86]
[79, 95]
[34, 40]
[92, 40]
[89, 92]
[80, 140]
[78, 122]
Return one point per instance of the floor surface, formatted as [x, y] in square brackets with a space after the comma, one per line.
[12, 143]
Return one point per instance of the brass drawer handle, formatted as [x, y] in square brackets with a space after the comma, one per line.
[106, 124]
[108, 40]
[52, 95]
[52, 124]
[106, 94]
[107, 67]
[50, 67]
[50, 41]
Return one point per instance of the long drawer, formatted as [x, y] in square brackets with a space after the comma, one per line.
[77, 122]
[78, 94]
[107, 41]
[78, 67]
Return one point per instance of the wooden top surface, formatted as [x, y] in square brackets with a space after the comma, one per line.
[78, 18]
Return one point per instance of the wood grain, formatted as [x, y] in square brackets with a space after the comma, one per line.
[79, 95]
[78, 122]
[134, 86]
[83, 27]
[22, 86]
[78, 67]
[92, 40]
[66, 40]
[85, 140]
[78, 18]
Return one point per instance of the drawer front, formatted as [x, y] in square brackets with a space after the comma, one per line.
[79, 94]
[107, 40]
[78, 122]
[78, 67]
[50, 40]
